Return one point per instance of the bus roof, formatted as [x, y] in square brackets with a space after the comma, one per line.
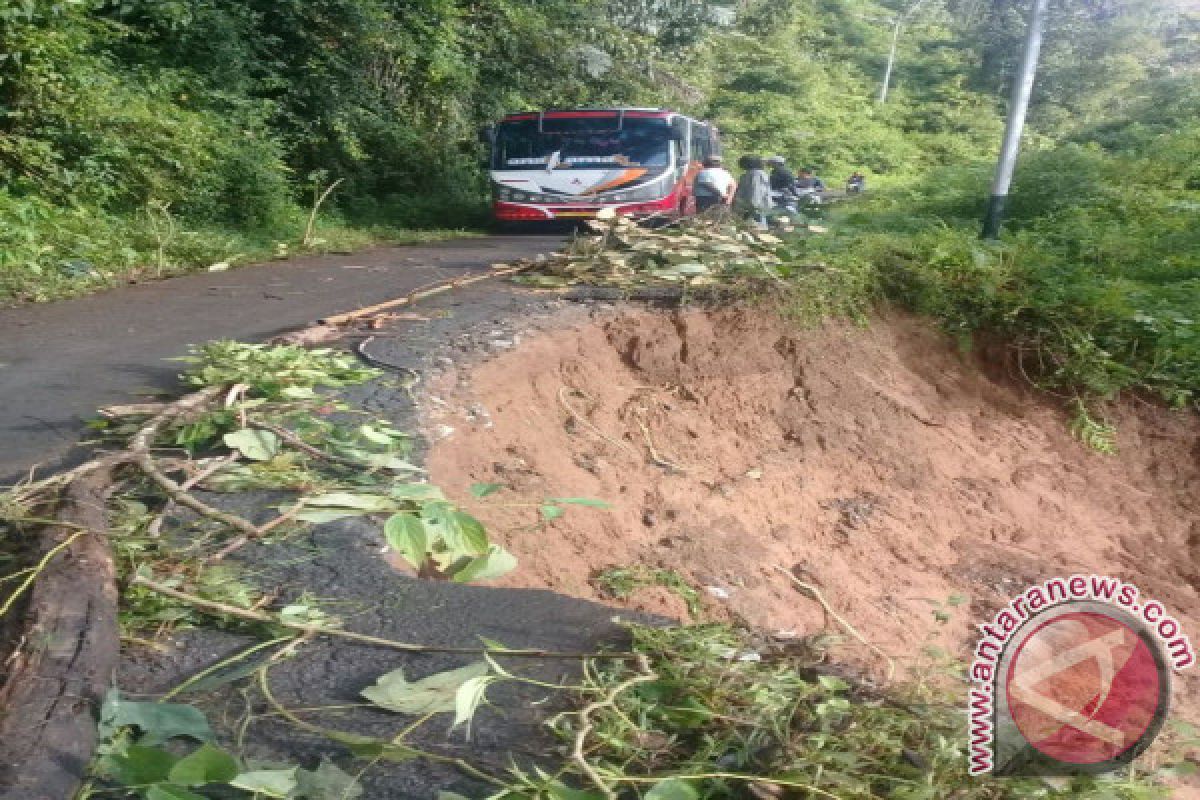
[584, 113]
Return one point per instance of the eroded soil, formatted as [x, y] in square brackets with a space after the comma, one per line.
[879, 464]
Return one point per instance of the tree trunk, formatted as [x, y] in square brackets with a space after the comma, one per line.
[64, 664]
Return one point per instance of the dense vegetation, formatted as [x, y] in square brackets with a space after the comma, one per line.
[150, 135]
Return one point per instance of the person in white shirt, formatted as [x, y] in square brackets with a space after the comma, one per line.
[714, 185]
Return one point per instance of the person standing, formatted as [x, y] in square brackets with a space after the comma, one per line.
[714, 185]
[753, 195]
[857, 183]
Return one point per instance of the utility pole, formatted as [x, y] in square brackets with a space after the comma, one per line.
[897, 24]
[1022, 89]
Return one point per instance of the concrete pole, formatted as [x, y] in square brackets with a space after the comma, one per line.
[887, 73]
[1022, 90]
[891, 62]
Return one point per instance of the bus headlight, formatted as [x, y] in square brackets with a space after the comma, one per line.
[510, 195]
[640, 194]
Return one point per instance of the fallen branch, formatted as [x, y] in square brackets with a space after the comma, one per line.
[585, 723]
[133, 410]
[57, 681]
[139, 453]
[206, 472]
[245, 539]
[213, 607]
[421, 293]
[815, 593]
[304, 447]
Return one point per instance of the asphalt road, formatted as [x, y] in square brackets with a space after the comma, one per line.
[59, 362]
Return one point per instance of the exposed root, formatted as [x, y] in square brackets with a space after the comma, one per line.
[579, 418]
[815, 593]
[654, 455]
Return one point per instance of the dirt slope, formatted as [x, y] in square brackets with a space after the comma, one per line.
[878, 463]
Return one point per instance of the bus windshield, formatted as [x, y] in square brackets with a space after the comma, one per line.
[584, 142]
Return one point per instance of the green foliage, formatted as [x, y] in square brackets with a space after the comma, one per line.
[1097, 285]
[1100, 436]
[713, 715]
[274, 372]
[621, 582]
[132, 755]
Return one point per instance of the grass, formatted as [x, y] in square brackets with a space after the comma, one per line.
[712, 712]
[66, 254]
[1095, 289]
[621, 582]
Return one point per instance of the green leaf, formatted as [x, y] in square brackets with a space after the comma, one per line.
[832, 683]
[368, 503]
[327, 782]
[560, 791]
[140, 766]
[319, 516]
[473, 537]
[495, 563]
[469, 697]
[672, 789]
[274, 783]
[207, 765]
[298, 393]
[166, 791]
[432, 695]
[373, 434]
[157, 722]
[579, 501]
[253, 444]
[492, 644]
[405, 533]
[391, 462]
[417, 492]
[482, 490]
[550, 512]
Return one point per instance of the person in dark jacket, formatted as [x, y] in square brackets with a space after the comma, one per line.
[807, 180]
[857, 183]
[782, 179]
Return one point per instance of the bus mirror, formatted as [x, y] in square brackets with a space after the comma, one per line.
[487, 134]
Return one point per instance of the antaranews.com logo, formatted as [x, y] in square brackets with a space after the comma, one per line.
[1073, 676]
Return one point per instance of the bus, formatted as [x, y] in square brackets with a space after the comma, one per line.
[569, 164]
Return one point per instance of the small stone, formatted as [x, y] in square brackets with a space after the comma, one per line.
[717, 592]
[649, 518]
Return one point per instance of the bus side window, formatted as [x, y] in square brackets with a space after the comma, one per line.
[699, 143]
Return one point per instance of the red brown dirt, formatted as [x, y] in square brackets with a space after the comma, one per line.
[878, 463]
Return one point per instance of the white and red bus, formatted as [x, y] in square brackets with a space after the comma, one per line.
[569, 164]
